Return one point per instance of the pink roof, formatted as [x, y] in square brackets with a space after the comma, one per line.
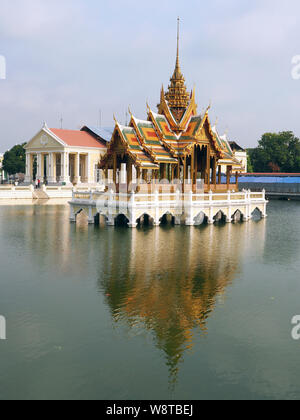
[77, 138]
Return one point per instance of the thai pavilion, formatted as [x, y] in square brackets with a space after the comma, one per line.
[169, 165]
[176, 143]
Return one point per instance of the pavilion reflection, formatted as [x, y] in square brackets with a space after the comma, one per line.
[169, 281]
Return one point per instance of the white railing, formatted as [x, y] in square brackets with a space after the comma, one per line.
[16, 192]
[178, 204]
[168, 199]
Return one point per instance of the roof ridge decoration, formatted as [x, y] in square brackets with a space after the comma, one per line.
[225, 140]
[213, 134]
[135, 155]
[152, 140]
[151, 116]
[134, 123]
[154, 119]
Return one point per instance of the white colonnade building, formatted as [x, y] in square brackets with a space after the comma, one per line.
[58, 156]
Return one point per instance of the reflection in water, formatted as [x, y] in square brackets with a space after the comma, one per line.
[161, 284]
[167, 281]
[46, 239]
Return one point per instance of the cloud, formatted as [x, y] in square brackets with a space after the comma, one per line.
[265, 29]
[73, 57]
[21, 20]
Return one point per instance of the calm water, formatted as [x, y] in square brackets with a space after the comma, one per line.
[161, 313]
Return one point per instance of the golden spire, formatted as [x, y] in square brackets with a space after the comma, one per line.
[177, 67]
[177, 96]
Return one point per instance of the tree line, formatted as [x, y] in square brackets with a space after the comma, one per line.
[14, 160]
[276, 152]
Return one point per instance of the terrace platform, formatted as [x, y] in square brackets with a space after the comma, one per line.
[189, 208]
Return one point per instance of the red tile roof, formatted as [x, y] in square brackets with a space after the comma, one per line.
[77, 138]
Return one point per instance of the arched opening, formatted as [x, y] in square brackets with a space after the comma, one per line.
[81, 217]
[121, 221]
[220, 218]
[97, 219]
[238, 217]
[257, 214]
[145, 220]
[201, 219]
[100, 220]
[167, 220]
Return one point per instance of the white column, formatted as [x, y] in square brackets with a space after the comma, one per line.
[89, 170]
[28, 176]
[39, 167]
[134, 177]
[62, 167]
[51, 163]
[67, 163]
[189, 174]
[123, 174]
[54, 169]
[77, 178]
[47, 163]
[65, 177]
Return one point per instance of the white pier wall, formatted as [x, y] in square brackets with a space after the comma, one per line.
[15, 193]
[190, 208]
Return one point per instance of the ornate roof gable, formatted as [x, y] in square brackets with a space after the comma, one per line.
[152, 141]
[129, 140]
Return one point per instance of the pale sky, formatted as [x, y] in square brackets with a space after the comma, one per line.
[73, 57]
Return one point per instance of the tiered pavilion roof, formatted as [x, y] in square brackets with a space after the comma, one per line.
[174, 137]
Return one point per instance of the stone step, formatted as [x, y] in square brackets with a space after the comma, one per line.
[40, 195]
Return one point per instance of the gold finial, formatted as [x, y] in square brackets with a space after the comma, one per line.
[115, 119]
[208, 108]
[162, 94]
[193, 94]
[129, 110]
[148, 107]
[178, 36]
[177, 95]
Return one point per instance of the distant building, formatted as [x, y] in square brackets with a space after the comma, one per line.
[239, 155]
[66, 156]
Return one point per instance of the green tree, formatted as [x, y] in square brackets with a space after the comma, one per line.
[15, 160]
[249, 162]
[276, 152]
